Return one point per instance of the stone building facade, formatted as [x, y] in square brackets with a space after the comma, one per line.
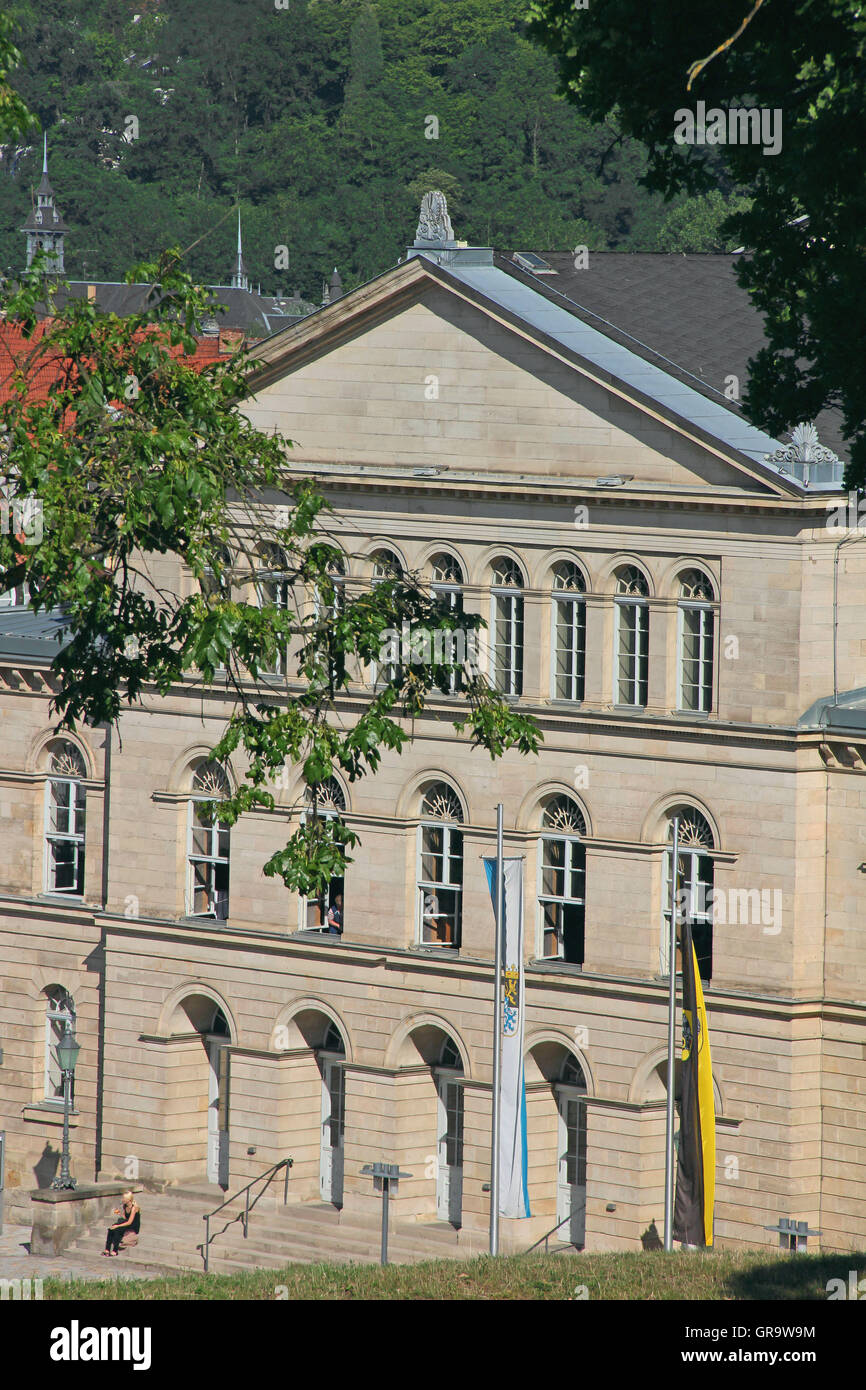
[672, 608]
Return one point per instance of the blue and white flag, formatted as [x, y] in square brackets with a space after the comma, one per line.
[513, 1184]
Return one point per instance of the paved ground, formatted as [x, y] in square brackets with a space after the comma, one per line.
[16, 1263]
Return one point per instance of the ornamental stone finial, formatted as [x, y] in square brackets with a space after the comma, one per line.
[434, 226]
[806, 458]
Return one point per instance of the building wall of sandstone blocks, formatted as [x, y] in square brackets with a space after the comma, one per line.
[786, 1008]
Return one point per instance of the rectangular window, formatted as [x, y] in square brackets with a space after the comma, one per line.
[64, 836]
[440, 884]
[632, 646]
[697, 627]
[569, 648]
[695, 883]
[563, 878]
[507, 625]
[208, 894]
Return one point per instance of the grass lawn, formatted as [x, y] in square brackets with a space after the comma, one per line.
[728, 1275]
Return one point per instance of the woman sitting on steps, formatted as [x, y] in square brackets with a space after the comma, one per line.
[130, 1221]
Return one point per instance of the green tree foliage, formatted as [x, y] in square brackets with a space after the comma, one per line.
[15, 119]
[316, 117]
[627, 62]
[136, 455]
[700, 224]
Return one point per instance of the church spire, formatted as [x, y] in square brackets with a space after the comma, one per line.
[44, 228]
[240, 279]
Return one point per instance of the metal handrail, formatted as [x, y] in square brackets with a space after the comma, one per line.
[245, 1216]
[546, 1237]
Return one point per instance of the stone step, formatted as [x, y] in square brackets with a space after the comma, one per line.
[307, 1233]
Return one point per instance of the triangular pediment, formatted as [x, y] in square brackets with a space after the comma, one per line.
[418, 369]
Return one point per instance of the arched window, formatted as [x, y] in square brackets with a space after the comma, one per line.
[65, 821]
[272, 591]
[325, 913]
[217, 577]
[447, 584]
[208, 854]
[562, 893]
[440, 866]
[694, 886]
[386, 565]
[695, 637]
[59, 1017]
[631, 637]
[506, 625]
[569, 632]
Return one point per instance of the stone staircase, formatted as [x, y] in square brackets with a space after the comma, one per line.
[299, 1233]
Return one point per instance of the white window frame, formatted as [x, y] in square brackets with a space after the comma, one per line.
[424, 886]
[454, 593]
[688, 882]
[19, 597]
[304, 901]
[212, 860]
[577, 627]
[53, 1014]
[641, 606]
[280, 602]
[78, 840]
[515, 619]
[706, 663]
[391, 667]
[542, 897]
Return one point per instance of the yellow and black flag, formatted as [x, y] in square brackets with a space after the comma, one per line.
[696, 1164]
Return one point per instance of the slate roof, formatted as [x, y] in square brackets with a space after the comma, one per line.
[688, 313]
[591, 342]
[243, 311]
[38, 636]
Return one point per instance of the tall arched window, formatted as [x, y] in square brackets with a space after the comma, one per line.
[562, 891]
[65, 821]
[569, 632]
[59, 1016]
[631, 637]
[694, 886]
[325, 913]
[447, 584]
[208, 853]
[440, 866]
[506, 626]
[695, 636]
[272, 591]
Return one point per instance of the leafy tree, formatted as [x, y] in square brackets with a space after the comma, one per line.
[134, 454]
[699, 224]
[631, 63]
[15, 119]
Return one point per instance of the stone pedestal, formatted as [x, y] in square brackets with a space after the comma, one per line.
[60, 1215]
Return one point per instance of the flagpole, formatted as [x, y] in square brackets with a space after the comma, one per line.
[672, 1012]
[497, 1036]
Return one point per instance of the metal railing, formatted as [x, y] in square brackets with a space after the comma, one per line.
[243, 1216]
[542, 1240]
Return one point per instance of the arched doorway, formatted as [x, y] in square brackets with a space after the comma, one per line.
[554, 1064]
[209, 1021]
[433, 1113]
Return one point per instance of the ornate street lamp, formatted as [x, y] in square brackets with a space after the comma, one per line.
[67, 1056]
